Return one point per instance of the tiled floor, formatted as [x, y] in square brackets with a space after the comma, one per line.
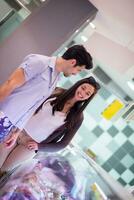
[112, 142]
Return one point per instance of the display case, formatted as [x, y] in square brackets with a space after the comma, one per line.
[93, 182]
[68, 175]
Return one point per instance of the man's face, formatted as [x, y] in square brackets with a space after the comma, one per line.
[72, 68]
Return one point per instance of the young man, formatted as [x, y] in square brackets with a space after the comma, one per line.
[32, 82]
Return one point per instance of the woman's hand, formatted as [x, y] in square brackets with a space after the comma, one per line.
[32, 145]
[12, 139]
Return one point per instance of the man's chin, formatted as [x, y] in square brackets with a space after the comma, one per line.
[66, 75]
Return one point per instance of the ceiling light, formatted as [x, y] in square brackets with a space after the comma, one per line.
[77, 31]
[131, 85]
[84, 38]
[92, 25]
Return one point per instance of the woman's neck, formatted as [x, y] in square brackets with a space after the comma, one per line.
[68, 105]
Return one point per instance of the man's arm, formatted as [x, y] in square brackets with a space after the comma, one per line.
[16, 80]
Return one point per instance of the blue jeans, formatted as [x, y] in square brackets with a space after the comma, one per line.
[5, 127]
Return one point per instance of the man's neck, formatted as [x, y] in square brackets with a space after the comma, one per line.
[59, 64]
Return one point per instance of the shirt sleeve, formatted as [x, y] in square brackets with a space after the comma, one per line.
[33, 65]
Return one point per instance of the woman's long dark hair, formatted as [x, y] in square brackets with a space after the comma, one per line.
[77, 109]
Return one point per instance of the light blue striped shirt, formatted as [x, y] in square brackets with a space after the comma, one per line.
[41, 79]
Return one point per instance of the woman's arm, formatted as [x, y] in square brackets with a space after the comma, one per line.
[65, 140]
[9, 142]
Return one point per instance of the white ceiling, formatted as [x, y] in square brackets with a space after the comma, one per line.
[115, 20]
[111, 43]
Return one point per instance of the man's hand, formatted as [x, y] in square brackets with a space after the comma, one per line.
[32, 145]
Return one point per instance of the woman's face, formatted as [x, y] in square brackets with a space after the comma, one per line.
[84, 91]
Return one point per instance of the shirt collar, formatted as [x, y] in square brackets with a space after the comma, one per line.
[55, 75]
[52, 63]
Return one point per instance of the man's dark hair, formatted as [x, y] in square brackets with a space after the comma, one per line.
[81, 55]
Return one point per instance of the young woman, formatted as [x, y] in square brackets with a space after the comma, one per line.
[53, 125]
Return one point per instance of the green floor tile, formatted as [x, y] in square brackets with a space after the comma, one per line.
[120, 168]
[120, 139]
[128, 131]
[105, 94]
[114, 174]
[120, 153]
[131, 139]
[113, 131]
[131, 182]
[122, 181]
[127, 161]
[112, 146]
[106, 166]
[132, 168]
[127, 176]
[97, 131]
[128, 147]
[132, 154]
[113, 161]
